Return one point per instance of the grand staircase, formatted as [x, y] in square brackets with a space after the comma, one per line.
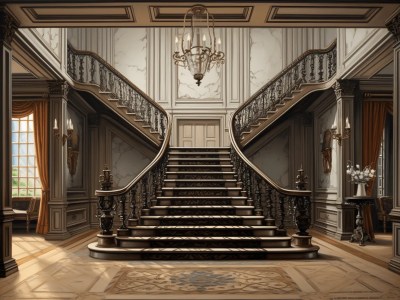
[200, 212]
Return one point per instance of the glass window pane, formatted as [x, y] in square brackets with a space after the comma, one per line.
[30, 126]
[23, 172]
[23, 149]
[23, 126]
[14, 149]
[15, 125]
[31, 149]
[31, 172]
[14, 161]
[38, 192]
[31, 192]
[14, 137]
[31, 182]
[23, 192]
[15, 182]
[31, 161]
[38, 184]
[15, 172]
[23, 137]
[22, 182]
[22, 161]
[14, 192]
[31, 137]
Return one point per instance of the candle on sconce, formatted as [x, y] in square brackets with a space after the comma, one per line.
[204, 40]
[219, 44]
[334, 126]
[347, 123]
[188, 42]
[55, 124]
[176, 44]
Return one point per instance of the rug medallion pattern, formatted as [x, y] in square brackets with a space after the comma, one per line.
[269, 280]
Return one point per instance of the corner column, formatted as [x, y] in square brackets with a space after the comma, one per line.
[345, 96]
[394, 27]
[58, 94]
[7, 29]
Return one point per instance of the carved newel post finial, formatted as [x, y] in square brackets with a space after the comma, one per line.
[301, 179]
[106, 179]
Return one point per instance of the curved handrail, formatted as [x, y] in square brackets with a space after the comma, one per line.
[89, 68]
[296, 75]
[153, 163]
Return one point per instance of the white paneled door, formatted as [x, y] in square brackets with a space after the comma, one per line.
[199, 133]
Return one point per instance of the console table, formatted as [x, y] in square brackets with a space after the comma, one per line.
[359, 234]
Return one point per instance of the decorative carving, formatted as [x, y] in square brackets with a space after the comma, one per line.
[302, 205]
[8, 26]
[344, 87]
[58, 88]
[106, 179]
[394, 27]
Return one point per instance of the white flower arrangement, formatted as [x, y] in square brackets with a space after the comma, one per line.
[360, 176]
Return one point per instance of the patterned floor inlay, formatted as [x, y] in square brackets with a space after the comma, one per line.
[269, 280]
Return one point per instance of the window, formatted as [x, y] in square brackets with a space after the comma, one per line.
[25, 176]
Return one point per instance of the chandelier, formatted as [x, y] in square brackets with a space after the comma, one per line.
[199, 50]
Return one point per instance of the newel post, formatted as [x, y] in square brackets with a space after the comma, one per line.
[106, 211]
[302, 213]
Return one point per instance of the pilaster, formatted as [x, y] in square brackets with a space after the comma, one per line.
[394, 27]
[7, 29]
[345, 91]
[58, 95]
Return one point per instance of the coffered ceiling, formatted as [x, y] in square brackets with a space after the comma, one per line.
[103, 13]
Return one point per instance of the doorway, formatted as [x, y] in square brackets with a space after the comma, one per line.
[198, 133]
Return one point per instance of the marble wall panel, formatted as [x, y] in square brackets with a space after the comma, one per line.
[273, 158]
[355, 37]
[51, 39]
[265, 56]
[127, 161]
[327, 180]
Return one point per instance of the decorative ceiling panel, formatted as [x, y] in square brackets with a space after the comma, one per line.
[220, 13]
[324, 14]
[79, 14]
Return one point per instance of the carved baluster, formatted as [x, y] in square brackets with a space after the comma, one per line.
[258, 208]
[162, 125]
[303, 70]
[142, 109]
[92, 70]
[123, 229]
[279, 91]
[74, 58]
[273, 100]
[330, 67]
[111, 83]
[321, 67]
[312, 65]
[269, 218]
[134, 213]
[80, 68]
[148, 118]
[334, 64]
[156, 120]
[295, 76]
[281, 226]
[70, 57]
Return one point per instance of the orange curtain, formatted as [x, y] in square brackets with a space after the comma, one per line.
[373, 122]
[39, 109]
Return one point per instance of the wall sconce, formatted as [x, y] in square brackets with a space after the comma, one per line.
[70, 129]
[338, 136]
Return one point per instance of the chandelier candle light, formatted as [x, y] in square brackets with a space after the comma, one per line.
[360, 177]
[199, 49]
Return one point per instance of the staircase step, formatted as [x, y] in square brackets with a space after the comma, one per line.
[203, 242]
[197, 201]
[192, 230]
[200, 174]
[200, 182]
[201, 191]
[199, 153]
[116, 253]
[200, 160]
[222, 220]
[182, 210]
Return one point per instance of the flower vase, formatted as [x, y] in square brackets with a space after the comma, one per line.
[361, 190]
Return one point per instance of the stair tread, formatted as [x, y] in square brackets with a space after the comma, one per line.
[199, 166]
[202, 197]
[199, 179]
[204, 217]
[202, 188]
[198, 153]
[207, 238]
[200, 172]
[199, 158]
[203, 206]
[199, 148]
[244, 227]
